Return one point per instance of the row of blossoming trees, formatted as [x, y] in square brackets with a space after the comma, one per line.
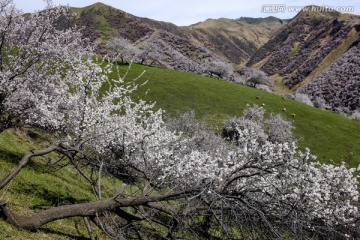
[250, 182]
[172, 52]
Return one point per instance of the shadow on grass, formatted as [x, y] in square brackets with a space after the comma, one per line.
[37, 164]
[70, 236]
[10, 156]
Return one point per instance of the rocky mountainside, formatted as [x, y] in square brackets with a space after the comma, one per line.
[306, 46]
[232, 40]
[314, 54]
[237, 39]
[153, 42]
[338, 86]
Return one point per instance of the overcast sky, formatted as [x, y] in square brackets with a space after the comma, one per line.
[186, 12]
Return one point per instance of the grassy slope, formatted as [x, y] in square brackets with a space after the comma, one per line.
[38, 187]
[328, 135]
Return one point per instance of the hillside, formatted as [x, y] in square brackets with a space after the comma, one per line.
[227, 39]
[237, 39]
[309, 44]
[292, 52]
[156, 43]
[328, 135]
[338, 84]
[40, 185]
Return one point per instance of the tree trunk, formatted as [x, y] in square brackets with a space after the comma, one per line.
[6, 121]
[78, 210]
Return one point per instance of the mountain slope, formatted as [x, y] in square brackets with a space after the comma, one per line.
[155, 43]
[238, 39]
[306, 46]
[339, 84]
[233, 40]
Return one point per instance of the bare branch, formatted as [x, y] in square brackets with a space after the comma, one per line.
[25, 160]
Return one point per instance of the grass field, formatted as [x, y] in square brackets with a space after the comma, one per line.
[329, 136]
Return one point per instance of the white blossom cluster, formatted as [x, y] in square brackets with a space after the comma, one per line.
[268, 172]
[37, 62]
[163, 53]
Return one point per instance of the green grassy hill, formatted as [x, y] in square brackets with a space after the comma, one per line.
[328, 135]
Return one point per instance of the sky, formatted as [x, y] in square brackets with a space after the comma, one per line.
[186, 12]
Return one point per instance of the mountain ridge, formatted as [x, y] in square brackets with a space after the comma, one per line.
[103, 22]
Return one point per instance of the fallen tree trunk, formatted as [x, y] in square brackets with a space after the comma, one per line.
[79, 210]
